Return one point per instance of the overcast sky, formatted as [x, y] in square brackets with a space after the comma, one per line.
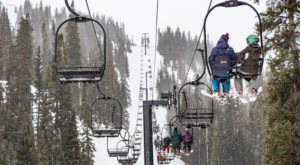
[139, 16]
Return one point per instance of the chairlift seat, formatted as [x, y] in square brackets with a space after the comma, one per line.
[137, 143]
[114, 152]
[138, 131]
[126, 160]
[136, 153]
[196, 124]
[197, 117]
[136, 149]
[106, 132]
[79, 74]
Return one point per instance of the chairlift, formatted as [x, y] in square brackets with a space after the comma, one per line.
[165, 158]
[126, 160]
[136, 153]
[114, 129]
[235, 72]
[118, 151]
[122, 147]
[73, 74]
[136, 148]
[198, 111]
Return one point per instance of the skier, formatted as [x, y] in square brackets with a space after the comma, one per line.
[166, 145]
[251, 52]
[221, 61]
[176, 139]
[187, 141]
[156, 142]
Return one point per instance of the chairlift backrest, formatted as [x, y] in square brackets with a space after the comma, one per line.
[71, 74]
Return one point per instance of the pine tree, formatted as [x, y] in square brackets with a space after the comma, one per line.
[38, 85]
[71, 147]
[6, 39]
[73, 48]
[3, 142]
[26, 153]
[20, 99]
[45, 130]
[87, 144]
[45, 47]
[1, 60]
[67, 143]
[282, 142]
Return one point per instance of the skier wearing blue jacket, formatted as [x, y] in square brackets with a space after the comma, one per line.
[221, 60]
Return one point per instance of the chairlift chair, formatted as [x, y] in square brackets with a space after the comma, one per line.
[126, 160]
[122, 147]
[198, 114]
[114, 129]
[73, 74]
[235, 72]
[118, 151]
[137, 148]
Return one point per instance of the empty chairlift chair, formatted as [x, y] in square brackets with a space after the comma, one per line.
[112, 128]
[122, 147]
[197, 110]
[127, 160]
[118, 150]
[68, 63]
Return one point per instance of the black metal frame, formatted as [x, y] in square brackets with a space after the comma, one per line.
[127, 160]
[118, 151]
[79, 74]
[202, 117]
[198, 115]
[107, 132]
[228, 4]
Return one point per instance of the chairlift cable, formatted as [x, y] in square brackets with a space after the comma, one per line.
[87, 5]
[155, 49]
[198, 42]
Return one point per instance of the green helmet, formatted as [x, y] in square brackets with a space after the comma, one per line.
[252, 39]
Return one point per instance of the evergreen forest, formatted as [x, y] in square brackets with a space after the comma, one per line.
[44, 122]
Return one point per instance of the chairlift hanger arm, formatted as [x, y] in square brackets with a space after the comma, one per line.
[228, 4]
[70, 9]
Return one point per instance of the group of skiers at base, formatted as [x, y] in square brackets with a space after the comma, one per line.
[223, 59]
[174, 142]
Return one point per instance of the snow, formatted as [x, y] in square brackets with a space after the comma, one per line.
[3, 84]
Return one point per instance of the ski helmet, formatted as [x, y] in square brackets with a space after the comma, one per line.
[252, 39]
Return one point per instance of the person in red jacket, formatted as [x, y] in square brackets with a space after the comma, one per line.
[187, 140]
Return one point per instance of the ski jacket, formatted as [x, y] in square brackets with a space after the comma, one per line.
[167, 141]
[251, 52]
[187, 137]
[176, 138]
[222, 58]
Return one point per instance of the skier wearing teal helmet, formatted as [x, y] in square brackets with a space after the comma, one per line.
[252, 52]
